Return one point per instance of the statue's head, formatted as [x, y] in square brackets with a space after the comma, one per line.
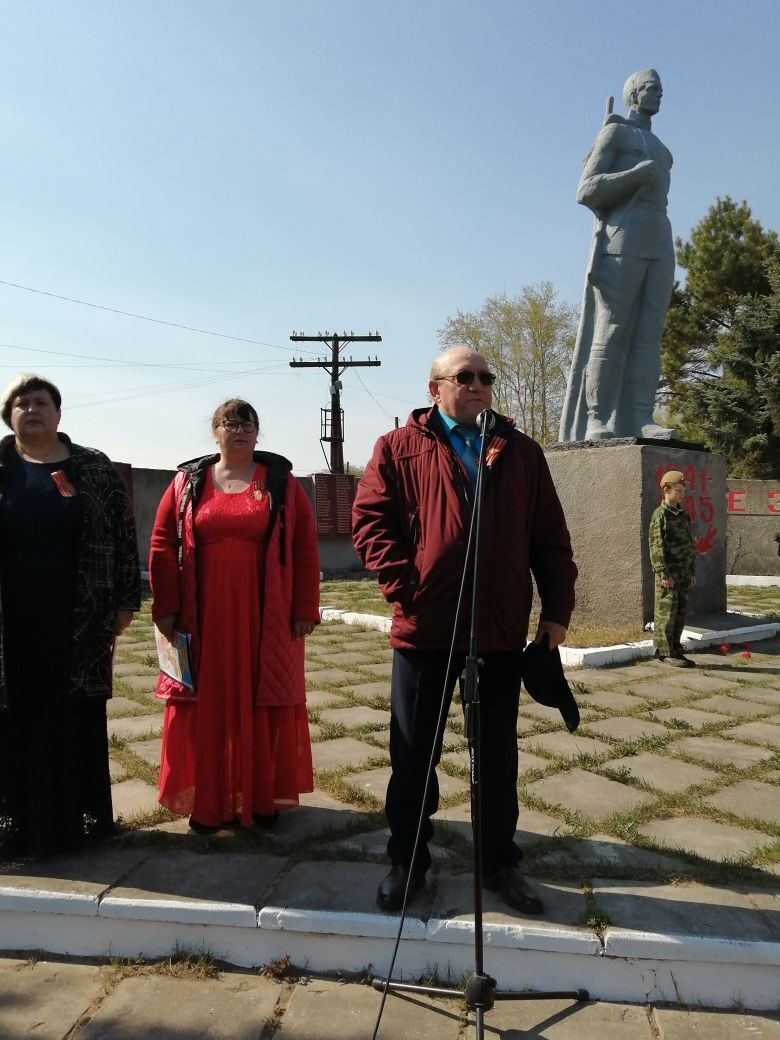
[643, 92]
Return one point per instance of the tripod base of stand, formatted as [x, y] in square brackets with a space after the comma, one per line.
[480, 992]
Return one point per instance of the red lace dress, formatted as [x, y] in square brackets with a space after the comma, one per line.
[222, 757]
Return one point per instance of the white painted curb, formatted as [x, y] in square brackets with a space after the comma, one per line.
[38, 900]
[351, 617]
[593, 656]
[623, 942]
[179, 911]
[627, 966]
[757, 581]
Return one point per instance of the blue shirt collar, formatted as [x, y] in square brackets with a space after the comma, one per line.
[450, 424]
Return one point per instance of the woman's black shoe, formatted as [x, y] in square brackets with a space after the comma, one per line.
[202, 828]
[266, 822]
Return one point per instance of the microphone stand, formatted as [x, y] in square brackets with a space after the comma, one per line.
[480, 991]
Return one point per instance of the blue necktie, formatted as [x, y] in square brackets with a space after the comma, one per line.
[470, 457]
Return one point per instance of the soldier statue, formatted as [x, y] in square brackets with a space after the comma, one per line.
[617, 358]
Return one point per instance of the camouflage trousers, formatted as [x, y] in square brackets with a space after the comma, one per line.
[669, 616]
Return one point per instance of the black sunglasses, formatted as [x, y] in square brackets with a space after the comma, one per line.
[466, 378]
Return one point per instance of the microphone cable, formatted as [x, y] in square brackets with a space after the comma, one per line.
[485, 416]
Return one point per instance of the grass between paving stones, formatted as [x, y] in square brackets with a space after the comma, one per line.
[183, 963]
[688, 802]
[432, 976]
[367, 700]
[139, 821]
[363, 596]
[336, 783]
[569, 864]
[359, 594]
[329, 731]
[145, 704]
[280, 970]
[593, 916]
[135, 767]
[625, 825]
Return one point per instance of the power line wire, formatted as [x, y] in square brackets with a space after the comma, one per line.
[194, 366]
[271, 367]
[379, 406]
[129, 393]
[145, 317]
[112, 361]
[389, 397]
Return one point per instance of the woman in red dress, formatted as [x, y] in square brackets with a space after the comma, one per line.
[234, 566]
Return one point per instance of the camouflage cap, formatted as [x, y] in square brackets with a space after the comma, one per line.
[674, 476]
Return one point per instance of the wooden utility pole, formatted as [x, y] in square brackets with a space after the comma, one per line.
[331, 426]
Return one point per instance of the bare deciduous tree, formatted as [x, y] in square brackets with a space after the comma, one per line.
[528, 340]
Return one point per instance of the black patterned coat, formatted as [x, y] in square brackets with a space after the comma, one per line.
[108, 578]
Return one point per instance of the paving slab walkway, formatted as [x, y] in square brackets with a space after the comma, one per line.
[668, 796]
[191, 1000]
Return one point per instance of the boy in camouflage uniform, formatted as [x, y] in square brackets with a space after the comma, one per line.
[673, 558]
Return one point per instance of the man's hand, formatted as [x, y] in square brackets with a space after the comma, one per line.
[167, 626]
[122, 620]
[557, 633]
[668, 583]
[301, 627]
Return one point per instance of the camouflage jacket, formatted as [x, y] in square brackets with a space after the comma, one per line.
[672, 549]
[108, 577]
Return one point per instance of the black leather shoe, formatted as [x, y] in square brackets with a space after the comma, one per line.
[687, 662]
[390, 894]
[675, 662]
[513, 889]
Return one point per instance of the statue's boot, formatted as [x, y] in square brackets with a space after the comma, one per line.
[652, 431]
[596, 430]
[644, 380]
[599, 394]
[647, 427]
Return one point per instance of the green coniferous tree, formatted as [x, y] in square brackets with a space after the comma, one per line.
[726, 266]
[739, 412]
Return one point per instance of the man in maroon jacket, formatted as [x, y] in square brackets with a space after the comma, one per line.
[410, 526]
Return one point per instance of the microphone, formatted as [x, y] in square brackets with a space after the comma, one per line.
[486, 420]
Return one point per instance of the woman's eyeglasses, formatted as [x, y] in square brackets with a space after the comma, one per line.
[466, 378]
[233, 426]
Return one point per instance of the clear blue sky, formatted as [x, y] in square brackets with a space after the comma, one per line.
[255, 167]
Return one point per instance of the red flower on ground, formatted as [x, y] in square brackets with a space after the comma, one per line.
[724, 648]
[745, 655]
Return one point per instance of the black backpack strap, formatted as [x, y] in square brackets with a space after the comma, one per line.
[185, 496]
[276, 484]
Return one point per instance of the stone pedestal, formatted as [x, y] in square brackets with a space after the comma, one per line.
[609, 491]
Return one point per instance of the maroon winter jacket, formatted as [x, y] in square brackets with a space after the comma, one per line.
[410, 525]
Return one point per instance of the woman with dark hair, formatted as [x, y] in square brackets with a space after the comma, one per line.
[70, 583]
[234, 568]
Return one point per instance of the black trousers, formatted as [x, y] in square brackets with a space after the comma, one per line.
[418, 682]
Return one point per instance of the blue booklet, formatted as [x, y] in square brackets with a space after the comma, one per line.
[174, 657]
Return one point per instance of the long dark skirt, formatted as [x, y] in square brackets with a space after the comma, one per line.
[55, 789]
